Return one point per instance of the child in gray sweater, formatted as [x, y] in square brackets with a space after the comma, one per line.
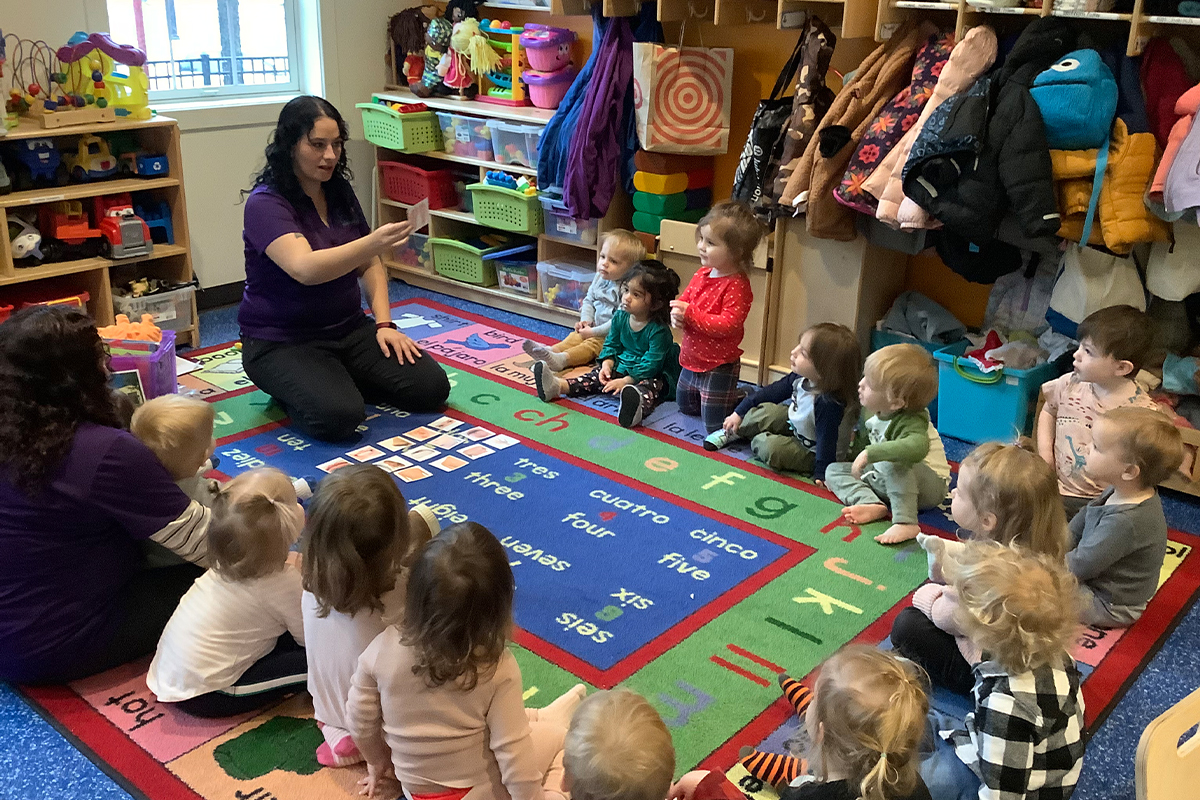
[1119, 539]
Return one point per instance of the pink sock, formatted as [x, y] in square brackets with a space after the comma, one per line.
[342, 754]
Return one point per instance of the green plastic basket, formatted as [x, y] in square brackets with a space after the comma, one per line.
[462, 262]
[408, 133]
[506, 209]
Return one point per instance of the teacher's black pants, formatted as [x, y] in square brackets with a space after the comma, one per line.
[323, 384]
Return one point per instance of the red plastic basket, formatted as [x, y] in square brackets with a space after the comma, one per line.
[408, 183]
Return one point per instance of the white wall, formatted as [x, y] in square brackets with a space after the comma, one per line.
[223, 147]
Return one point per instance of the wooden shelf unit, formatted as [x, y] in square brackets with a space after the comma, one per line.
[455, 224]
[1135, 28]
[96, 276]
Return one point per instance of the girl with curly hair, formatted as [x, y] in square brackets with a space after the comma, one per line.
[306, 341]
[436, 701]
[78, 498]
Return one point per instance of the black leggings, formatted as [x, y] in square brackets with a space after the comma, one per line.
[281, 672]
[915, 637]
[323, 384]
[146, 602]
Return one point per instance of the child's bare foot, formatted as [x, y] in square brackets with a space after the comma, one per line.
[549, 386]
[861, 515]
[898, 533]
[563, 707]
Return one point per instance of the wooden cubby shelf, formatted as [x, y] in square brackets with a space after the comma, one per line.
[158, 135]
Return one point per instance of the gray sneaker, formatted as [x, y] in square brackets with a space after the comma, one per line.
[716, 440]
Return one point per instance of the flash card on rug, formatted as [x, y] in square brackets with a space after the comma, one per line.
[445, 424]
[477, 434]
[334, 464]
[395, 443]
[393, 463]
[413, 474]
[447, 442]
[421, 434]
[476, 451]
[501, 441]
[449, 463]
[366, 453]
[421, 453]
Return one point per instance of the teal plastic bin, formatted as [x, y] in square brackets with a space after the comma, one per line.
[986, 407]
[881, 339]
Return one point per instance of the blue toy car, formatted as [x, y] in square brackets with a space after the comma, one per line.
[38, 164]
[144, 165]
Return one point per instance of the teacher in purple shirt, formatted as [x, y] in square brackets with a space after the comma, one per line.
[305, 339]
[81, 504]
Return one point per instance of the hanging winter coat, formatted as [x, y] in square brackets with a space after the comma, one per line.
[1182, 191]
[971, 57]
[594, 157]
[1185, 110]
[893, 122]
[1164, 80]
[880, 76]
[556, 138]
[991, 158]
[810, 103]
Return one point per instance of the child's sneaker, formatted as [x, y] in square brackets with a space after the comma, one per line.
[632, 402]
[716, 440]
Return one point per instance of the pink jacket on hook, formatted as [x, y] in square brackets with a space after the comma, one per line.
[1186, 107]
[971, 57]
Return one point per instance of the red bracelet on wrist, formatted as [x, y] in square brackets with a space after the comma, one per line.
[381, 325]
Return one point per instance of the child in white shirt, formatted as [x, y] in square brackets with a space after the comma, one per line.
[358, 543]
[236, 641]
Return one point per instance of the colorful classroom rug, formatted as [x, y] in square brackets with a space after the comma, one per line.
[691, 577]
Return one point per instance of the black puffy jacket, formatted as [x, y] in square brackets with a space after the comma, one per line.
[990, 156]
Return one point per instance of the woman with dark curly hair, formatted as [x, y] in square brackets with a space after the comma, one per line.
[78, 498]
[305, 340]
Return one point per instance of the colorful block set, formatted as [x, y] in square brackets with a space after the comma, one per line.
[669, 187]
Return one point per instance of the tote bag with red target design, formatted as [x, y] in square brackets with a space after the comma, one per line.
[681, 98]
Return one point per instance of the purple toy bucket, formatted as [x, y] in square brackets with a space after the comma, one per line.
[547, 89]
[547, 48]
[143, 370]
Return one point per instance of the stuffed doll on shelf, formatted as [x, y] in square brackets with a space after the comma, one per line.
[471, 56]
[407, 32]
[437, 39]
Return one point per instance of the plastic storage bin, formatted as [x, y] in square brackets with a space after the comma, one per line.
[559, 224]
[144, 369]
[446, 125]
[414, 132]
[564, 282]
[979, 407]
[415, 252]
[547, 89]
[517, 276]
[547, 48]
[473, 261]
[412, 182]
[171, 311]
[506, 209]
[515, 144]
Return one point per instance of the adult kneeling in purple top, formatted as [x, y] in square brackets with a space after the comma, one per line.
[305, 339]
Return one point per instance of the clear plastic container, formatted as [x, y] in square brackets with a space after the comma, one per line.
[415, 252]
[559, 224]
[172, 311]
[446, 122]
[515, 144]
[564, 282]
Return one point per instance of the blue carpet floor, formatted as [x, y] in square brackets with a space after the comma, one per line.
[37, 762]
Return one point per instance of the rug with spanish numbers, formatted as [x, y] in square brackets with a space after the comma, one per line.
[640, 559]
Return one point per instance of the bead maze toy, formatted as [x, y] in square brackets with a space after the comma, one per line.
[506, 86]
[90, 79]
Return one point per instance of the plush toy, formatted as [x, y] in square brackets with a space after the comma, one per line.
[437, 39]
[407, 32]
[471, 56]
[458, 10]
[144, 331]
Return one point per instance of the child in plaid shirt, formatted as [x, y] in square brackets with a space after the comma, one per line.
[1024, 739]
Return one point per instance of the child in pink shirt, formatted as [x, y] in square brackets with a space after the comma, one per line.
[436, 701]
[712, 312]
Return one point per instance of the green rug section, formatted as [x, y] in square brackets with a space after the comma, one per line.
[286, 743]
[722, 676]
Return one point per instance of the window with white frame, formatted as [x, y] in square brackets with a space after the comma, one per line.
[201, 49]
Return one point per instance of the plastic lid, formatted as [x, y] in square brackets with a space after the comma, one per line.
[535, 78]
[546, 36]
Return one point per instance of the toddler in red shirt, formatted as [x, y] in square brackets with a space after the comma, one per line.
[712, 312]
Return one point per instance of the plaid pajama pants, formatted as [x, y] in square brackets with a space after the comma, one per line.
[711, 395]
